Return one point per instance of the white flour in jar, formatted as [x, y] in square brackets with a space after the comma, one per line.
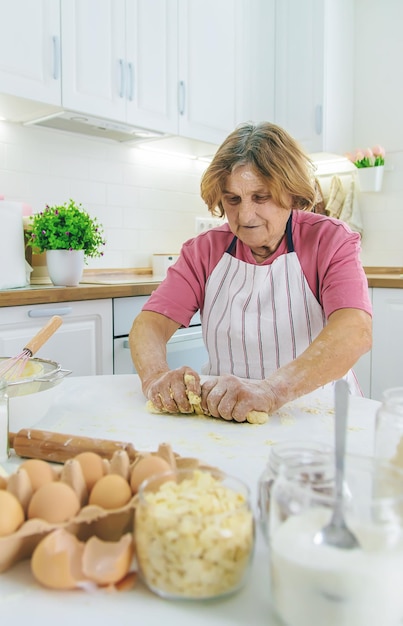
[315, 585]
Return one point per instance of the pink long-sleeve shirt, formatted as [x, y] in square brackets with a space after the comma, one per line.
[328, 252]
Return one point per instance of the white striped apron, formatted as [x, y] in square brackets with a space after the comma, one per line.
[258, 318]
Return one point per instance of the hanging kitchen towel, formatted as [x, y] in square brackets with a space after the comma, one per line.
[320, 205]
[351, 212]
[336, 197]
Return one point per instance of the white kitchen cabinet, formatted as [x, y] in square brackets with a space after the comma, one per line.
[314, 72]
[226, 65]
[120, 61]
[82, 344]
[30, 50]
[193, 68]
[387, 349]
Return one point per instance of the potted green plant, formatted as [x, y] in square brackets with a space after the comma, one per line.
[69, 236]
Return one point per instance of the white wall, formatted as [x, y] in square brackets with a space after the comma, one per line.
[147, 203]
[378, 107]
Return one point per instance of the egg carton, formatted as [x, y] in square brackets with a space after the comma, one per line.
[91, 520]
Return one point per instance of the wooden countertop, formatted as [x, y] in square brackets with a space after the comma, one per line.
[391, 277]
[99, 284]
[96, 284]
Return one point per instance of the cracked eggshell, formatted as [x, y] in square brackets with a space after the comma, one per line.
[57, 560]
[107, 562]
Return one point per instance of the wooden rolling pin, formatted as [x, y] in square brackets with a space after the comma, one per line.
[58, 448]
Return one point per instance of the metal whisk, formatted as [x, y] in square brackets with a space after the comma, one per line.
[13, 367]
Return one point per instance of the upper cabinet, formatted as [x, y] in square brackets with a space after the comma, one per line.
[119, 60]
[314, 72]
[226, 65]
[30, 50]
[193, 68]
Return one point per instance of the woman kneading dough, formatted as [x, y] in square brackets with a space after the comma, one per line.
[282, 294]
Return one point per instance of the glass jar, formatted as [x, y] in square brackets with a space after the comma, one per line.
[4, 434]
[321, 584]
[389, 427]
[194, 534]
[292, 454]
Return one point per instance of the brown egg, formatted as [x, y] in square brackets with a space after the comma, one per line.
[54, 502]
[107, 562]
[92, 467]
[146, 467]
[39, 472]
[3, 482]
[11, 513]
[56, 560]
[110, 492]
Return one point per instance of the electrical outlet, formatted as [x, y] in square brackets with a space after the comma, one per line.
[205, 223]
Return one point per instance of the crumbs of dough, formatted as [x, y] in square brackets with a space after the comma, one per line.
[286, 419]
[216, 436]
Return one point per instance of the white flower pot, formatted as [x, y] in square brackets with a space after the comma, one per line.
[65, 267]
[370, 178]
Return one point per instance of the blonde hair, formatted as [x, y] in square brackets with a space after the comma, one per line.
[275, 156]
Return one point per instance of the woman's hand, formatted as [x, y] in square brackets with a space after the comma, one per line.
[234, 398]
[169, 391]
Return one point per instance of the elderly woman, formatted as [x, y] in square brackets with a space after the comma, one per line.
[281, 290]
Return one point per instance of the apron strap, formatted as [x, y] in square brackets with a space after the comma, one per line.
[232, 245]
[288, 233]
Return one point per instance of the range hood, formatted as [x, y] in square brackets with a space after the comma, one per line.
[31, 113]
[26, 112]
[74, 122]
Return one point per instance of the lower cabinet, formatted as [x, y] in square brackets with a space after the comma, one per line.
[382, 368]
[82, 344]
[387, 349]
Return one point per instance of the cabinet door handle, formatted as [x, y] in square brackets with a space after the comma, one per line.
[126, 345]
[56, 58]
[318, 119]
[122, 78]
[49, 312]
[130, 81]
[181, 97]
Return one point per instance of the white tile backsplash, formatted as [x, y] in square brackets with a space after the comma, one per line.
[382, 214]
[146, 202]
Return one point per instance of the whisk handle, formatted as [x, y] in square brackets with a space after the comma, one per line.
[44, 334]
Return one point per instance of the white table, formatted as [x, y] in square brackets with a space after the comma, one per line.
[113, 407]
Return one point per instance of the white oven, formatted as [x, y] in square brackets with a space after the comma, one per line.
[186, 346]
